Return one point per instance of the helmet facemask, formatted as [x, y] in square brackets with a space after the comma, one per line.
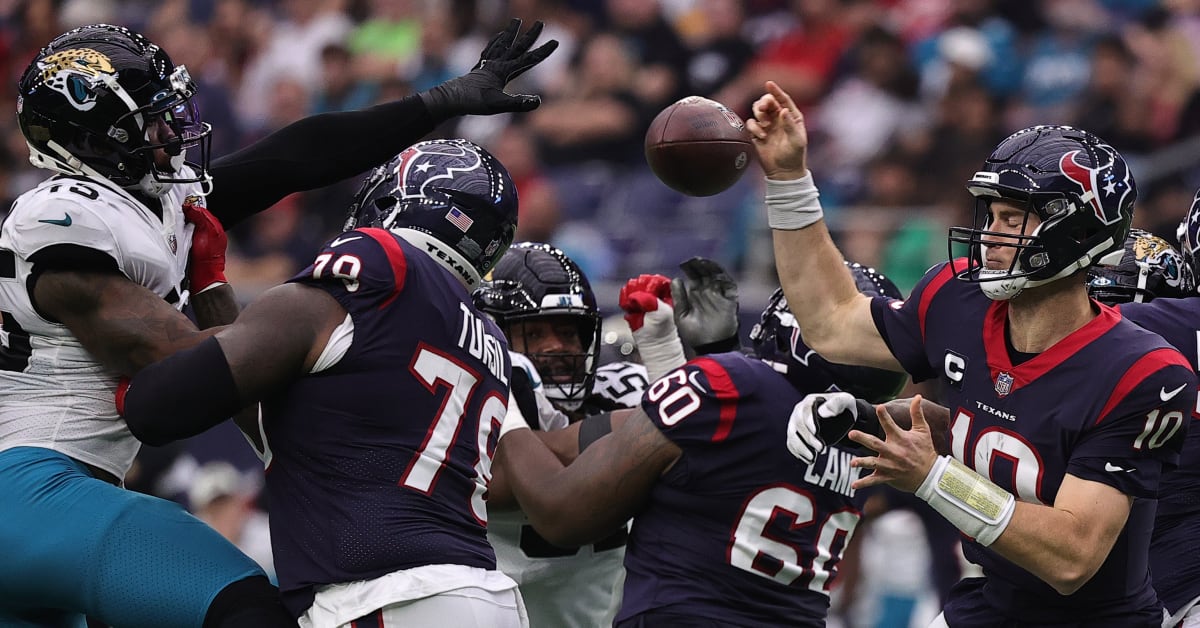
[567, 375]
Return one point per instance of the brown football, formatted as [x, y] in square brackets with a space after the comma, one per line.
[698, 146]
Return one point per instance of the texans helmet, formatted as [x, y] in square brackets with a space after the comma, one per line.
[1150, 268]
[776, 340]
[100, 100]
[451, 198]
[535, 282]
[1188, 235]
[1079, 187]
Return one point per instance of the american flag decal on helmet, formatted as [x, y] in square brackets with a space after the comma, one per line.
[459, 219]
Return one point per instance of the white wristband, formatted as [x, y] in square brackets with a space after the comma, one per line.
[661, 356]
[793, 204]
[513, 419]
[970, 501]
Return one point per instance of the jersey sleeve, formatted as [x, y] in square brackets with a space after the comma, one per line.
[902, 323]
[694, 404]
[1142, 427]
[58, 232]
[362, 269]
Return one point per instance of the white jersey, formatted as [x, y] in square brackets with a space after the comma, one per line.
[53, 393]
[562, 588]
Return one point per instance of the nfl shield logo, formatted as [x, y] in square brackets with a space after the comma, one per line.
[172, 243]
[1004, 383]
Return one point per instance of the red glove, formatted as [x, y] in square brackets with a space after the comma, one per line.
[640, 295]
[206, 263]
[122, 388]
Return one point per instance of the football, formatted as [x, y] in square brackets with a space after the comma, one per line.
[698, 146]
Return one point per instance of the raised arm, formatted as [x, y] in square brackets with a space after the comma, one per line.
[323, 149]
[834, 317]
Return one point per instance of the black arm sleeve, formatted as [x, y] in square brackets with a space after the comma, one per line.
[314, 152]
[181, 395]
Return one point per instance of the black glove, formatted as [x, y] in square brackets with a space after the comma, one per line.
[481, 91]
[706, 306]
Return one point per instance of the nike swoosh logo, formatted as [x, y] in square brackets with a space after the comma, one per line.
[696, 384]
[1110, 467]
[1167, 396]
[65, 221]
[340, 241]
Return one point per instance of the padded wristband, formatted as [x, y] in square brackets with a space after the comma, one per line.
[970, 501]
[181, 395]
[793, 204]
[513, 419]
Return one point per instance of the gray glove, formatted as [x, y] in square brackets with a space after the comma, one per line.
[481, 91]
[706, 306]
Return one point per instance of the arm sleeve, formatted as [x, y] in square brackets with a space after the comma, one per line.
[314, 152]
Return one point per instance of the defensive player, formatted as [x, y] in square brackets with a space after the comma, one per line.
[1064, 415]
[753, 537]
[381, 384]
[92, 265]
[545, 306]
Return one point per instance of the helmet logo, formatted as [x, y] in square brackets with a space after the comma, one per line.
[415, 174]
[73, 73]
[1088, 181]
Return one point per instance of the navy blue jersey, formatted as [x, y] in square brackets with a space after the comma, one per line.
[1107, 403]
[380, 461]
[1174, 554]
[738, 531]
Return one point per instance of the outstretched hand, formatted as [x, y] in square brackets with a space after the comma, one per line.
[481, 91]
[706, 303]
[903, 457]
[779, 135]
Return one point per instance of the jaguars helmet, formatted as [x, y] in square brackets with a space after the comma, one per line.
[1080, 188]
[100, 100]
[1188, 235]
[776, 340]
[1150, 268]
[537, 281]
[451, 198]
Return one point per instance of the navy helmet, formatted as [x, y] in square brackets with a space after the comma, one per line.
[537, 281]
[1188, 235]
[451, 198]
[776, 339]
[1076, 184]
[1150, 268]
[100, 100]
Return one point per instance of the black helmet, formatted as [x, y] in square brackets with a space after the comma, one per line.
[1080, 188]
[536, 281]
[1150, 268]
[100, 99]
[776, 339]
[452, 198]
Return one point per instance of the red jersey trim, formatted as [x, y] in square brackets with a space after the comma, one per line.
[1145, 366]
[725, 392]
[395, 256]
[999, 361]
[931, 289]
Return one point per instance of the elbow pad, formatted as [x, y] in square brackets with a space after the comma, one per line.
[180, 396]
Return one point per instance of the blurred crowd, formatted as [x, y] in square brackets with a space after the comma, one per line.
[903, 98]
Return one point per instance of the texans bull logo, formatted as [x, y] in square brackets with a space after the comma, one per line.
[416, 174]
[1104, 187]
